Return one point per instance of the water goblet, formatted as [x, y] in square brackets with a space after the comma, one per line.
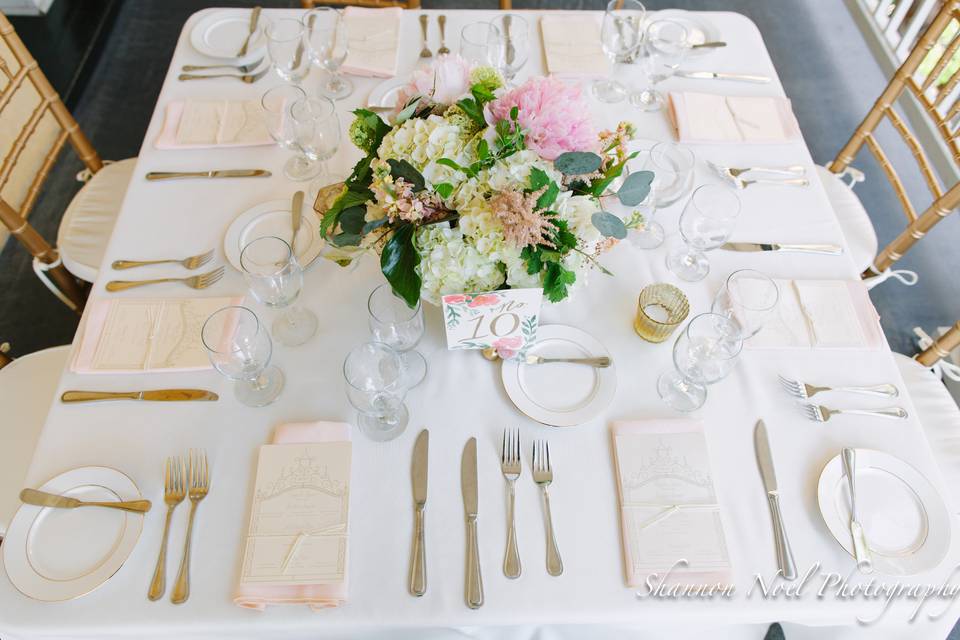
[664, 48]
[475, 42]
[706, 223]
[510, 45]
[275, 109]
[240, 348]
[375, 388]
[276, 278]
[621, 36]
[317, 130]
[327, 43]
[748, 298]
[285, 45]
[672, 166]
[394, 323]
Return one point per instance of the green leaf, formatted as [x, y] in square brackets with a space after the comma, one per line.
[349, 198]
[635, 188]
[577, 163]
[481, 94]
[373, 225]
[514, 112]
[444, 189]
[346, 239]
[352, 219]
[374, 124]
[483, 149]
[408, 110]
[549, 196]
[399, 262]
[564, 238]
[609, 225]
[531, 257]
[473, 110]
[538, 178]
[556, 281]
[405, 170]
[447, 162]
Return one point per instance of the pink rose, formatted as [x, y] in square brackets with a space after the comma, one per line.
[484, 300]
[455, 299]
[506, 348]
[445, 81]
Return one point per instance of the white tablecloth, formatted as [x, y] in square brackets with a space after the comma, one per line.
[462, 396]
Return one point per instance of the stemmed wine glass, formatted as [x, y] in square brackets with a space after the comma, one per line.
[510, 45]
[275, 108]
[748, 298]
[664, 49]
[476, 41]
[285, 45]
[704, 353]
[240, 348]
[375, 388]
[326, 36]
[621, 37]
[672, 167]
[394, 323]
[706, 223]
[317, 130]
[276, 278]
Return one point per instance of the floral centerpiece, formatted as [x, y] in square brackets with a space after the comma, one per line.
[474, 187]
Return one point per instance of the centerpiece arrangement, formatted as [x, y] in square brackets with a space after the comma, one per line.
[476, 187]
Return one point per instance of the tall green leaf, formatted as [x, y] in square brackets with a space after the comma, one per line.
[405, 170]
[399, 262]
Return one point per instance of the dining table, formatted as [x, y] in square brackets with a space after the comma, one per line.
[462, 396]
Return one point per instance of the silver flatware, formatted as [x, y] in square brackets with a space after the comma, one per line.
[473, 582]
[442, 23]
[201, 281]
[425, 51]
[788, 567]
[794, 170]
[716, 44]
[720, 75]
[418, 478]
[215, 173]
[600, 362]
[741, 183]
[821, 249]
[510, 52]
[510, 467]
[193, 262]
[805, 391]
[820, 413]
[39, 498]
[733, 176]
[248, 78]
[860, 549]
[543, 476]
[154, 395]
[296, 213]
[199, 485]
[254, 18]
[239, 68]
[174, 490]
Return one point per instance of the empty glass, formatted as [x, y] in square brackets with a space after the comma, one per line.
[394, 323]
[475, 42]
[706, 223]
[326, 36]
[375, 389]
[510, 46]
[621, 37]
[672, 166]
[276, 278]
[664, 48]
[275, 108]
[285, 44]
[317, 130]
[240, 348]
[748, 298]
[704, 353]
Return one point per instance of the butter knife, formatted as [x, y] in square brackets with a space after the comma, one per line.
[296, 213]
[473, 583]
[765, 461]
[216, 173]
[418, 477]
[861, 552]
[719, 75]
[156, 395]
[254, 18]
[44, 499]
[822, 249]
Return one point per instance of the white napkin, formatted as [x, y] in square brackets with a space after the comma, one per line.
[200, 124]
[571, 45]
[708, 117]
[372, 41]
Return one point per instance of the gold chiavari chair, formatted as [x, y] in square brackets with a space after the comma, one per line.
[34, 126]
[941, 347]
[928, 76]
[406, 4]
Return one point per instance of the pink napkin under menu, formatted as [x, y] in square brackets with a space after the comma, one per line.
[712, 118]
[208, 124]
[373, 37]
[315, 596]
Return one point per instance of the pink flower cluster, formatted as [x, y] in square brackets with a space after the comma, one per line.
[554, 115]
[402, 203]
[444, 81]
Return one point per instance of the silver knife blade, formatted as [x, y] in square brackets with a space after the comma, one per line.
[468, 478]
[764, 457]
[719, 75]
[216, 173]
[418, 468]
[296, 212]
[825, 249]
[157, 395]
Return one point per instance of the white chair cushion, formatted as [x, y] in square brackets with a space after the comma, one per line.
[854, 221]
[88, 221]
[27, 387]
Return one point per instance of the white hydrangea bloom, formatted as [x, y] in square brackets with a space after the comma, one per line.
[450, 263]
[423, 141]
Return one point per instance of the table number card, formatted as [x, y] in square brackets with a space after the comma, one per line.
[505, 320]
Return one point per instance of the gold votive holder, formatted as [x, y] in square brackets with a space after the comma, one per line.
[661, 309]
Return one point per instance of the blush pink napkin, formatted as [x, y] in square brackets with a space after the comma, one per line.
[365, 56]
[712, 118]
[315, 596]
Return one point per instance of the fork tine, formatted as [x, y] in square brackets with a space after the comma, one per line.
[206, 469]
[516, 457]
[546, 446]
[166, 478]
[203, 259]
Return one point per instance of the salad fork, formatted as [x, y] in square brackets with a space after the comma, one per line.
[174, 482]
[820, 413]
[199, 474]
[805, 391]
[543, 476]
[425, 51]
[193, 262]
[510, 467]
[201, 281]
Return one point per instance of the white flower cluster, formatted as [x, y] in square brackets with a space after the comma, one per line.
[423, 141]
[451, 264]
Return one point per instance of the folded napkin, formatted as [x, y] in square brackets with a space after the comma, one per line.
[820, 314]
[571, 45]
[202, 124]
[668, 508]
[708, 118]
[373, 37]
[318, 488]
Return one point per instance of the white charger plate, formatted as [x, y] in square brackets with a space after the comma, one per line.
[273, 219]
[61, 554]
[560, 394]
[905, 522]
[698, 29]
[220, 34]
[385, 94]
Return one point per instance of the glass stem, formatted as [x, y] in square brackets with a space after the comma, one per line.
[259, 383]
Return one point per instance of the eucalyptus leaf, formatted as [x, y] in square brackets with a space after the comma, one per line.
[373, 224]
[399, 262]
[577, 163]
[405, 170]
[635, 188]
[408, 110]
[609, 225]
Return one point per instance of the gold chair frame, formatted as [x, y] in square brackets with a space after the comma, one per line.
[15, 219]
[4, 358]
[406, 4]
[945, 117]
[941, 347]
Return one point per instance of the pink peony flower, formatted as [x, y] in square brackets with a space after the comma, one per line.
[446, 80]
[506, 348]
[554, 115]
[484, 300]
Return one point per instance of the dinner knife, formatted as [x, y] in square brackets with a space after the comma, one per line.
[418, 476]
[44, 499]
[216, 173]
[254, 18]
[473, 587]
[822, 249]
[156, 395]
[765, 460]
[719, 75]
[861, 552]
[296, 213]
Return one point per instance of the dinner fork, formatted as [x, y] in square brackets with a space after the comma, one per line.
[201, 281]
[794, 170]
[174, 483]
[543, 476]
[199, 487]
[805, 391]
[442, 22]
[425, 51]
[510, 466]
[819, 413]
[243, 68]
[249, 78]
[193, 262]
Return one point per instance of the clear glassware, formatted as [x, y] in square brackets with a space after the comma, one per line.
[240, 348]
[704, 353]
[275, 108]
[375, 388]
[394, 323]
[510, 47]
[285, 45]
[706, 223]
[475, 42]
[327, 43]
[672, 166]
[664, 48]
[748, 298]
[661, 308]
[276, 278]
[621, 37]
[317, 129]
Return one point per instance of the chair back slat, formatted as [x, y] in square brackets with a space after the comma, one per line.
[941, 347]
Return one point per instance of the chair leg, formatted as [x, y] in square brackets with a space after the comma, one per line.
[941, 347]
[506, 5]
[4, 358]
